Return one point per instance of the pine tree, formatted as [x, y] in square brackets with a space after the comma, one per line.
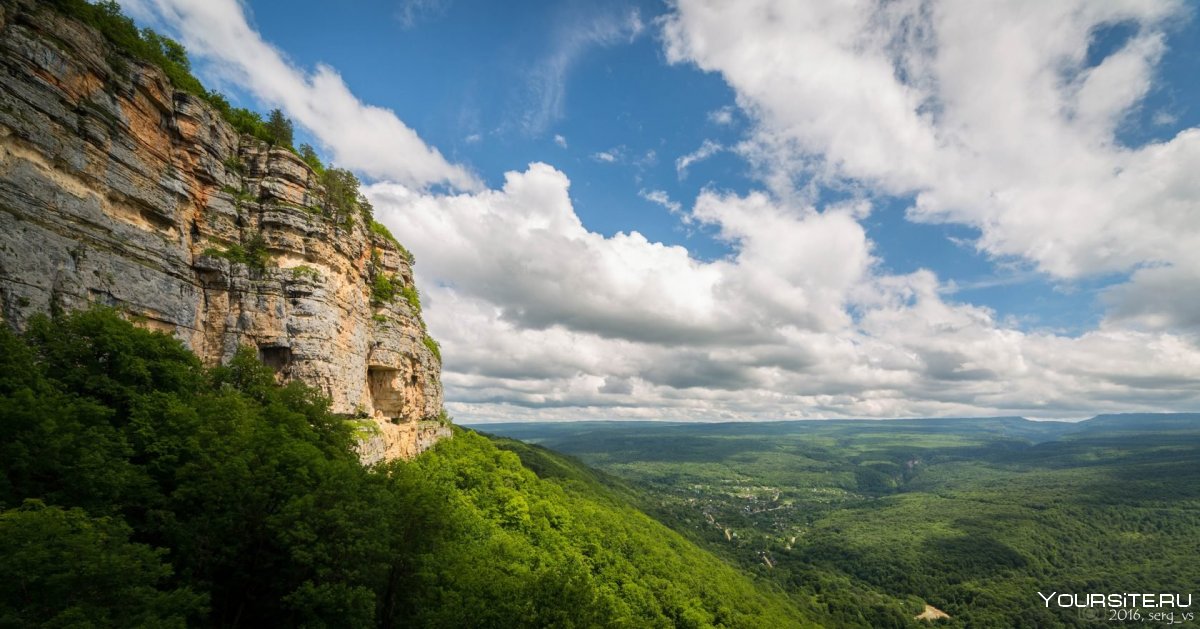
[279, 128]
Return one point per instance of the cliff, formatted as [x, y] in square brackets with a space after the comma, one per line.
[117, 189]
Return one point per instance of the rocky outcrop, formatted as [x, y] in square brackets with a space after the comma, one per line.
[117, 189]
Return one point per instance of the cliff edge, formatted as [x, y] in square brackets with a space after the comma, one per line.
[118, 189]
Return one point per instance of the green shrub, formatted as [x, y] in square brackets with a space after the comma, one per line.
[364, 428]
[305, 271]
[144, 45]
[434, 348]
[240, 196]
[379, 229]
[309, 156]
[233, 163]
[384, 288]
[342, 199]
[413, 298]
[254, 254]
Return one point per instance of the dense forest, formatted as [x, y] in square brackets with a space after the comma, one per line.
[864, 522]
[140, 488]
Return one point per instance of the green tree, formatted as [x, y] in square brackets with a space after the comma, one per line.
[256, 493]
[342, 198]
[63, 568]
[279, 129]
[310, 157]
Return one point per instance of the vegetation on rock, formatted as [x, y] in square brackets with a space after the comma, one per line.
[379, 229]
[169, 56]
[253, 254]
[384, 288]
[341, 198]
[434, 347]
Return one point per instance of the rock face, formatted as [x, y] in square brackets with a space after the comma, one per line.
[117, 189]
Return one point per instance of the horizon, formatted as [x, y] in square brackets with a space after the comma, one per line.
[1060, 420]
[621, 211]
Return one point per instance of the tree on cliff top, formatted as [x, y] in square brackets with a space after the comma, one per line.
[279, 129]
[342, 198]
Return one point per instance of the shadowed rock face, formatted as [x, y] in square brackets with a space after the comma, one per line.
[113, 186]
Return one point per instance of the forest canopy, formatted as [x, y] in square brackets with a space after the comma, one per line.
[140, 487]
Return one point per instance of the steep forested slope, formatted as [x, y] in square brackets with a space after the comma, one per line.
[140, 488]
[864, 522]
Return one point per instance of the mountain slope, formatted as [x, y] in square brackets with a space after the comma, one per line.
[215, 496]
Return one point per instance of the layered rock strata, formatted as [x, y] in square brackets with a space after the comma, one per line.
[117, 189]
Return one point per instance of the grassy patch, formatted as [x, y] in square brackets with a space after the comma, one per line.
[384, 288]
[304, 271]
[413, 297]
[234, 164]
[253, 254]
[433, 347]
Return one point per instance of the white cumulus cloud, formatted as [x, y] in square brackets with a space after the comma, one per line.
[991, 115]
[541, 318]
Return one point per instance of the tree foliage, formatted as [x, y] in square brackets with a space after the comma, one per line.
[342, 199]
[310, 157]
[279, 129]
[64, 568]
[865, 522]
[139, 488]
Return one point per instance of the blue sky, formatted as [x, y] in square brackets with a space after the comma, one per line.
[959, 215]
[464, 74]
[469, 78]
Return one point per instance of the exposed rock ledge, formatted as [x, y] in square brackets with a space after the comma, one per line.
[112, 187]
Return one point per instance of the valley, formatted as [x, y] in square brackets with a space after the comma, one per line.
[866, 522]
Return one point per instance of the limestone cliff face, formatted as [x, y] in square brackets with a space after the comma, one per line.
[117, 189]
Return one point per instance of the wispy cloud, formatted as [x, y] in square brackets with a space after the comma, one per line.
[560, 141]
[706, 150]
[649, 159]
[1163, 118]
[951, 287]
[660, 197]
[411, 12]
[614, 155]
[722, 116]
[547, 81]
